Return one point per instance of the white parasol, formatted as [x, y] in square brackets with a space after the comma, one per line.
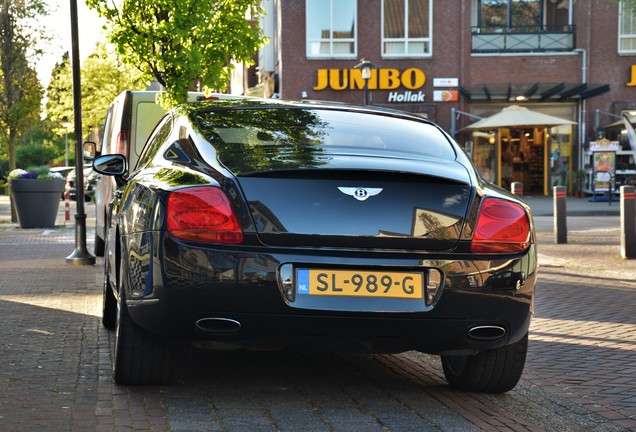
[518, 116]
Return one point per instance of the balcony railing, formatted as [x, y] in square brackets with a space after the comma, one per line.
[522, 39]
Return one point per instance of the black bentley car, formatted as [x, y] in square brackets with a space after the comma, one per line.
[263, 225]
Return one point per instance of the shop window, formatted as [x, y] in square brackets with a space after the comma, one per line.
[331, 28]
[406, 28]
[485, 154]
[627, 29]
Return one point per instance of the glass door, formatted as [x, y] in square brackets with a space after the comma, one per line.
[485, 154]
[560, 145]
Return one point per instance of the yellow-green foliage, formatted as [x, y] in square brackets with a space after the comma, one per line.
[179, 43]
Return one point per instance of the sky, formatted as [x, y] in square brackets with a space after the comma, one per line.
[58, 26]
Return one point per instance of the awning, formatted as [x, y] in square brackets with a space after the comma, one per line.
[518, 116]
[621, 123]
[532, 91]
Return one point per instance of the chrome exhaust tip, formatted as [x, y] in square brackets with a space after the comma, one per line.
[486, 332]
[218, 325]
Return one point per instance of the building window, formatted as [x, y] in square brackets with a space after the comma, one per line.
[627, 29]
[501, 26]
[516, 15]
[406, 28]
[331, 28]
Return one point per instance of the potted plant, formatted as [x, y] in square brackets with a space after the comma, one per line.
[578, 178]
[36, 195]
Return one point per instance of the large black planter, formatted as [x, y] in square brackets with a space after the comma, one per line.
[36, 201]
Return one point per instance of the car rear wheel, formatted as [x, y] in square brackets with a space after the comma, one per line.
[140, 358]
[495, 371]
[109, 303]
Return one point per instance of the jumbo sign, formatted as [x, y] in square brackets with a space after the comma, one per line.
[381, 79]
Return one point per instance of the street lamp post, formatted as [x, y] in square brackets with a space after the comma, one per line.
[365, 66]
[80, 256]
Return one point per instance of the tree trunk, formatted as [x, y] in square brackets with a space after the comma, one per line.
[7, 88]
[7, 57]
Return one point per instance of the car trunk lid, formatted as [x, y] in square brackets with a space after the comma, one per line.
[357, 201]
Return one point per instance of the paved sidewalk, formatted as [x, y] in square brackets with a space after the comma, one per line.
[575, 206]
[56, 356]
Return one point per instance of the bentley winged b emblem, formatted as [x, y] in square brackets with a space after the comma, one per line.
[360, 193]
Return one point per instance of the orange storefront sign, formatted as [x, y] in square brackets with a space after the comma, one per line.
[381, 79]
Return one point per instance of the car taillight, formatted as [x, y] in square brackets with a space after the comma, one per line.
[502, 227]
[121, 146]
[203, 214]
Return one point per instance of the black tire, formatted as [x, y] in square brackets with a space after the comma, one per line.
[109, 302]
[99, 245]
[495, 371]
[140, 358]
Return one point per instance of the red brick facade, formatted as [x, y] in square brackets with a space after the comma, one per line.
[596, 32]
[594, 59]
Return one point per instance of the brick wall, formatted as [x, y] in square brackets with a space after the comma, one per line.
[596, 31]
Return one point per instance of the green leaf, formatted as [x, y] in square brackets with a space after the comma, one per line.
[183, 43]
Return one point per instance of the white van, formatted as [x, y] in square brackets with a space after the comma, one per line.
[130, 119]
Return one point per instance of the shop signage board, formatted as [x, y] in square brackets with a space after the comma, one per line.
[410, 80]
[445, 95]
[381, 79]
[445, 82]
[407, 96]
[632, 74]
[603, 164]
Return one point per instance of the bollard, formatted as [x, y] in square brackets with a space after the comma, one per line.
[516, 188]
[560, 216]
[67, 208]
[628, 222]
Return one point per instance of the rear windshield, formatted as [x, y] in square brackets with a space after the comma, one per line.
[331, 130]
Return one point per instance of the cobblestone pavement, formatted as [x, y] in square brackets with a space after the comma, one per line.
[56, 358]
[583, 337]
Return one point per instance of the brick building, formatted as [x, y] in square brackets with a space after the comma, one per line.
[456, 61]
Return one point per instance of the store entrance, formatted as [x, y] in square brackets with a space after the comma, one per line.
[523, 152]
[515, 144]
[538, 157]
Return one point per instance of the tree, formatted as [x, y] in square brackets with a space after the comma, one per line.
[180, 43]
[41, 146]
[59, 105]
[21, 92]
[103, 77]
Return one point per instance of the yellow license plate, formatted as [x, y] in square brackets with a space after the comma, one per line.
[355, 283]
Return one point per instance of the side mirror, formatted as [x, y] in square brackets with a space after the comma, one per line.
[110, 165]
[90, 150]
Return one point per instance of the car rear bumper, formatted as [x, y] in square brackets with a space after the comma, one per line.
[232, 297]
